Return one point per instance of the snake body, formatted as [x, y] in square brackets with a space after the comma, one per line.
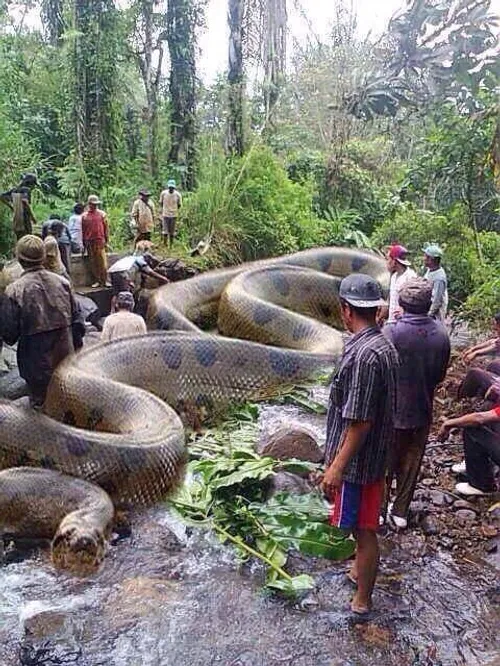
[110, 417]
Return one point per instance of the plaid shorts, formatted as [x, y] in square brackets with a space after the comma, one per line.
[357, 506]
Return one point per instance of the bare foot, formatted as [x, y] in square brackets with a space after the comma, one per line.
[360, 607]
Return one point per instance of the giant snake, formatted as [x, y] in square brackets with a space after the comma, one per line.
[110, 433]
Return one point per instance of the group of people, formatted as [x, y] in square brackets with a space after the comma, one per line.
[381, 407]
[143, 214]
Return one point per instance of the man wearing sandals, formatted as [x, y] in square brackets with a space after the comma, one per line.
[360, 430]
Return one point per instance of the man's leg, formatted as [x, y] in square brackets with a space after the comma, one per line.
[171, 230]
[91, 251]
[481, 446]
[366, 568]
[102, 262]
[410, 448]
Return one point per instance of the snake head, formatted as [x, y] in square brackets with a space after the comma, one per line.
[79, 549]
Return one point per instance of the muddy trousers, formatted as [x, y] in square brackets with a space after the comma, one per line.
[482, 451]
[477, 381]
[406, 459]
[97, 261]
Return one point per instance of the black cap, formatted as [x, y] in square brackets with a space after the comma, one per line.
[361, 291]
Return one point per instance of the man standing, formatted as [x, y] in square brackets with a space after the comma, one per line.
[18, 199]
[38, 312]
[170, 203]
[437, 276]
[95, 240]
[143, 213]
[123, 323]
[423, 346]
[399, 268]
[75, 228]
[360, 429]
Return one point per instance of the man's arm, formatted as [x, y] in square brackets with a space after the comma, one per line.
[27, 205]
[179, 200]
[438, 293]
[354, 439]
[10, 320]
[472, 420]
[106, 228]
[149, 271]
[134, 213]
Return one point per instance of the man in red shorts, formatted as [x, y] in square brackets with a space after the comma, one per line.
[360, 430]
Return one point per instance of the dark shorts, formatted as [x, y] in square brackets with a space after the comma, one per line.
[168, 226]
[119, 282]
[357, 506]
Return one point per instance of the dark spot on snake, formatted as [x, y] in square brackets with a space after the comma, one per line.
[358, 263]
[69, 418]
[164, 320]
[77, 446]
[280, 283]
[23, 459]
[205, 288]
[47, 462]
[203, 400]
[326, 311]
[283, 365]
[133, 458]
[95, 417]
[263, 314]
[172, 355]
[325, 262]
[206, 352]
[301, 330]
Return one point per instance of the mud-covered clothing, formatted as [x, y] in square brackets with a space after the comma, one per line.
[19, 198]
[38, 312]
[423, 346]
[143, 213]
[364, 390]
[439, 305]
[122, 324]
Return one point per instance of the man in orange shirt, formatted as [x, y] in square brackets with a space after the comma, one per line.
[95, 239]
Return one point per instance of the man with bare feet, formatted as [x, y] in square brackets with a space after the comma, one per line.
[360, 430]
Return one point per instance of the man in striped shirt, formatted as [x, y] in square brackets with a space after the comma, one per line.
[360, 430]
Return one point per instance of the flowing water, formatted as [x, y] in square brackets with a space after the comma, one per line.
[173, 596]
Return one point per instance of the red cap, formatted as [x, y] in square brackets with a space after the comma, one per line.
[399, 253]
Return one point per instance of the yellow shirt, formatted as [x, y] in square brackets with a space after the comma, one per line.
[170, 203]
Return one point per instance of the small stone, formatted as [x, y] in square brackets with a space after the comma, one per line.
[427, 482]
[465, 516]
[439, 498]
[446, 542]
[430, 526]
[289, 443]
[464, 504]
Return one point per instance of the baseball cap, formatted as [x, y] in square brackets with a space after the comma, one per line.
[399, 254]
[415, 296]
[361, 291]
[433, 250]
[125, 300]
[171, 183]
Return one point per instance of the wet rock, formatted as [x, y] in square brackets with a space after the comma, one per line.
[464, 504]
[430, 525]
[287, 482]
[465, 516]
[12, 386]
[44, 624]
[288, 443]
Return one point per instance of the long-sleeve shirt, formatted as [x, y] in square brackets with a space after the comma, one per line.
[423, 346]
[439, 305]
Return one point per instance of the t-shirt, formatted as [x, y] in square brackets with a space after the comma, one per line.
[439, 306]
[95, 226]
[423, 346]
[122, 324]
[128, 264]
[364, 390]
[143, 213]
[397, 281]
[75, 230]
[170, 203]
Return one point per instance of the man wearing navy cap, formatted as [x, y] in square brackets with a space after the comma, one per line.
[360, 430]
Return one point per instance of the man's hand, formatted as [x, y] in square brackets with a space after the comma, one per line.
[332, 479]
[444, 432]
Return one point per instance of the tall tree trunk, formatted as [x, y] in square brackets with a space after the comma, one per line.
[274, 54]
[236, 79]
[95, 81]
[52, 13]
[181, 24]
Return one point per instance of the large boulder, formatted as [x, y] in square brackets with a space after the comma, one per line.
[291, 442]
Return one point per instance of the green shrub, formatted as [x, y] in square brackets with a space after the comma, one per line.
[415, 228]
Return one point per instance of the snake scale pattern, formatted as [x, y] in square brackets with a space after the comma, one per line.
[110, 433]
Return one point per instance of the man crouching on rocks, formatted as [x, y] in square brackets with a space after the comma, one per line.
[360, 430]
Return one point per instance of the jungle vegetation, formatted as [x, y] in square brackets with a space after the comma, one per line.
[345, 140]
